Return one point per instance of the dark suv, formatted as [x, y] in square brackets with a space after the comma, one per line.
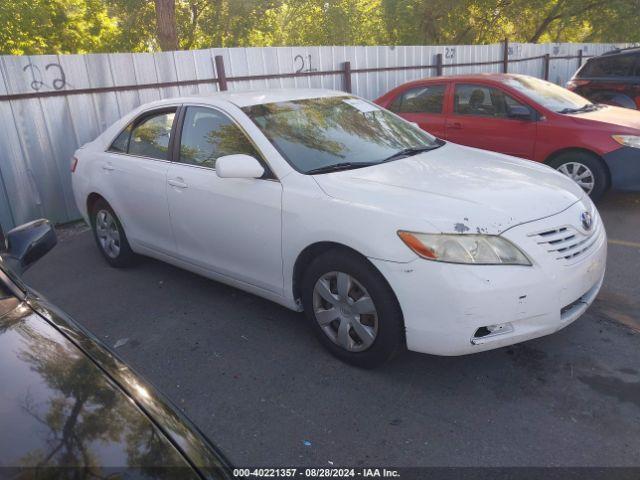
[612, 78]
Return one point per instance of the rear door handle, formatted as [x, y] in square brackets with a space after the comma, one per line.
[178, 183]
[108, 167]
[455, 125]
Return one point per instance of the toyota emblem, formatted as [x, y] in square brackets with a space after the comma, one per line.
[587, 220]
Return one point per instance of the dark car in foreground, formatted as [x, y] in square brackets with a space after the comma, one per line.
[612, 78]
[69, 408]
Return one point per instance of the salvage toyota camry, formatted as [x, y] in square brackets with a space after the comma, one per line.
[385, 236]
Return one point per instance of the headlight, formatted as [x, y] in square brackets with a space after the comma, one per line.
[475, 249]
[627, 140]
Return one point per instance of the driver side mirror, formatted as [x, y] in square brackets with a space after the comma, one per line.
[238, 166]
[519, 112]
[22, 246]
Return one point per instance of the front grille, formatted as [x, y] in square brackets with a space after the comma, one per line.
[567, 242]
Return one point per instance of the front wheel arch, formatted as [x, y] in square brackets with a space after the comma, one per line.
[390, 340]
[306, 256]
[92, 199]
[566, 152]
[309, 253]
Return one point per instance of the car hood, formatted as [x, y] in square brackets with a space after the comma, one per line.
[612, 117]
[66, 401]
[457, 189]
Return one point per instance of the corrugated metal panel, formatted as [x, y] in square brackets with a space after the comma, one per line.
[8, 139]
[39, 135]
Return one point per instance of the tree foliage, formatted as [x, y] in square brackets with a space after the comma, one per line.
[77, 26]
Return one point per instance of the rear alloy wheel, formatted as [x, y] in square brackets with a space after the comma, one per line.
[352, 309]
[587, 170]
[110, 236]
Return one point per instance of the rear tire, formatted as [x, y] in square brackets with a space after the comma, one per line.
[368, 328]
[586, 169]
[110, 237]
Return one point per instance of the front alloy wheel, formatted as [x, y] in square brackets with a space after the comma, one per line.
[345, 311]
[584, 168]
[579, 173]
[352, 309]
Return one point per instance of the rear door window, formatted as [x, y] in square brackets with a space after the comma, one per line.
[425, 99]
[151, 137]
[610, 66]
[147, 136]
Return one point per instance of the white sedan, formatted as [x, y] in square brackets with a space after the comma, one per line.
[385, 236]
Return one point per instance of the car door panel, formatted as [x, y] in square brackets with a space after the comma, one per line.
[135, 187]
[424, 106]
[231, 226]
[477, 119]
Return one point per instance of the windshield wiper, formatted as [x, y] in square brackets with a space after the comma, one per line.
[405, 152]
[589, 107]
[409, 152]
[336, 167]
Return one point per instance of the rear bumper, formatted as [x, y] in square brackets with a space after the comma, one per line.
[624, 165]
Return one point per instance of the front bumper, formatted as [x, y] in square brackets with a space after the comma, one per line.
[447, 307]
[624, 166]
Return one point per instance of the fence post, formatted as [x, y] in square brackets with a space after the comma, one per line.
[547, 61]
[439, 64]
[505, 56]
[347, 76]
[579, 58]
[221, 75]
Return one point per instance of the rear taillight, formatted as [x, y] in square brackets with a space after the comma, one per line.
[74, 164]
[573, 84]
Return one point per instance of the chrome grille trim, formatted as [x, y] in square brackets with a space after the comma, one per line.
[568, 242]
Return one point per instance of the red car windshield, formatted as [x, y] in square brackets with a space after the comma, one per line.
[547, 94]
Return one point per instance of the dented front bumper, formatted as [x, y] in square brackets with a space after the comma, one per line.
[452, 309]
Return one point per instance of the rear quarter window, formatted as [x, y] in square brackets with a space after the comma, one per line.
[121, 143]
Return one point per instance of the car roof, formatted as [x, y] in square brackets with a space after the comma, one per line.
[477, 77]
[253, 97]
[619, 51]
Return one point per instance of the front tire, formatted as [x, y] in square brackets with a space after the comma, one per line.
[587, 170]
[352, 309]
[110, 237]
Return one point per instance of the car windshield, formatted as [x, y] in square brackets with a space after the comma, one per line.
[547, 94]
[330, 133]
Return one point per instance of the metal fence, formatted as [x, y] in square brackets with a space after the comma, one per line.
[51, 104]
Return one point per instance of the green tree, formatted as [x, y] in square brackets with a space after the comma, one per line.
[64, 26]
[56, 26]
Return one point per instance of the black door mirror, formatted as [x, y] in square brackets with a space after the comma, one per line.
[519, 112]
[26, 244]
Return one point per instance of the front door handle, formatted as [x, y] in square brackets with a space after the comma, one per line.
[108, 167]
[454, 125]
[178, 183]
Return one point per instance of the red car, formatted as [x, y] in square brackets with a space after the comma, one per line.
[596, 145]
